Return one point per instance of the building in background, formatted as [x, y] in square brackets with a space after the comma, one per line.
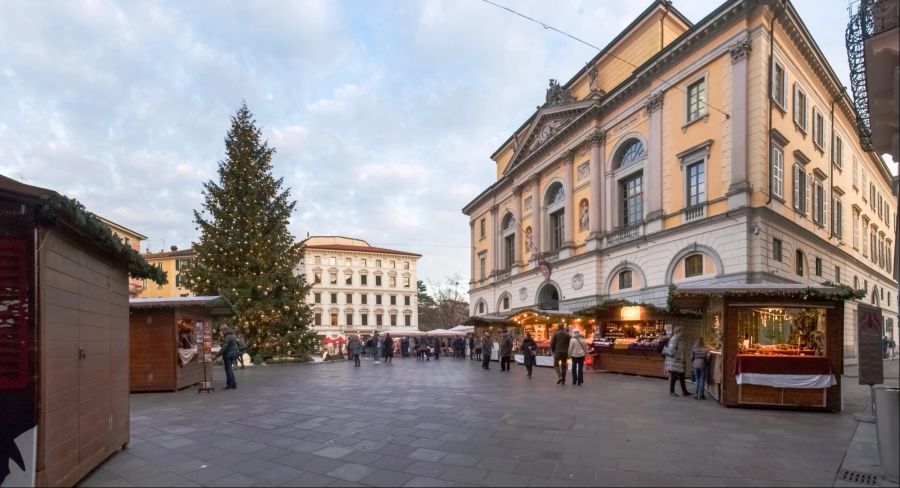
[132, 239]
[358, 288]
[172, 262]
[687, 154]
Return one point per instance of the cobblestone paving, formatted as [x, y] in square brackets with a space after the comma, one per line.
[448, 423]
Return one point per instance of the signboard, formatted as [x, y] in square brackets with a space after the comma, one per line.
[203, 339]
[868, 330]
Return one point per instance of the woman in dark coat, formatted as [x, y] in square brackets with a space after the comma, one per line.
[529, 350]
[388, 346]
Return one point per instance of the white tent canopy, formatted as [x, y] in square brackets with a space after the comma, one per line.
[401, 332]
[443, 333]
[463, 329]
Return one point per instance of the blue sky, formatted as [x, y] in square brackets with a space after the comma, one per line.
[384, 113]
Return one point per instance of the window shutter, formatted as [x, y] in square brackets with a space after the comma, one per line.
[16, 342]
[796, 108]
[796, 187]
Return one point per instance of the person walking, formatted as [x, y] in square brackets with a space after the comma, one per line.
[471, 340]
[577, 351]
[388, 347]
[355, 346]
[529, 351]
[228, 350]
[700, 363]
[559, 345]
[674, 364]
[404, 347]
[487, 345]
[437, 348]
[378, 345]
[506, 347]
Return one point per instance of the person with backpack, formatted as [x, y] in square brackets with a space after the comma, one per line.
[242, 348]
[227, 351]
[700, 363]
[577, 351]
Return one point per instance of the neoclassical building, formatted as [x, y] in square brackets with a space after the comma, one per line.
[358, 288]
[716, 152]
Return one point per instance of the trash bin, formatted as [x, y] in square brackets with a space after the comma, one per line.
[887, 425]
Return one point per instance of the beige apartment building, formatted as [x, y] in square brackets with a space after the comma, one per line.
[172, 262]
[132, 239]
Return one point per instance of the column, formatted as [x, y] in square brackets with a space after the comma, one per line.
[517, 242]
[595, 224]
[653, 170]
[739, 188]
[474, 258]
[493, 239]
[571, 218]
[536, 235]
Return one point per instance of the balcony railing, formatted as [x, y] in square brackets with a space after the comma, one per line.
[501, 274]
[624, 234]
[694, 213]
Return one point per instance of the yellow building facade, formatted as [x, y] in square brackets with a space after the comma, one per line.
[172, 262]
[132, 239]
[716, 152]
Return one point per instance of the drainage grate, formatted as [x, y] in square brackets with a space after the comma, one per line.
[860, 478]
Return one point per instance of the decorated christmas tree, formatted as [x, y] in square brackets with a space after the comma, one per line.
[246, 253]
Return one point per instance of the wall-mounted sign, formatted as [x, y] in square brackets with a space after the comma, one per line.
[631, 313]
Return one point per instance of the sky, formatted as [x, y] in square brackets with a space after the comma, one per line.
[384, 114]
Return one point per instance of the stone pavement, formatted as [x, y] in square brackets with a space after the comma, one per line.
[448, 423]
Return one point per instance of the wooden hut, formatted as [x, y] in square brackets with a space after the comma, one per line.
[163, 347]
[64, 337]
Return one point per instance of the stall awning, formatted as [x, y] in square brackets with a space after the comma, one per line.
[695, 297]
[217, 305]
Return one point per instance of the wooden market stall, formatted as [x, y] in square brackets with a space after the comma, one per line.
[775, 345]
[64, 281]
[164, 354]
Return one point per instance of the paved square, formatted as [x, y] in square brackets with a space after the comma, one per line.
[448, 423]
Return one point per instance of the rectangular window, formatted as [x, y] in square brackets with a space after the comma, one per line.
[349, 298]
[855, 229]
[332, 260]
[377, 299]
[363, 280]
[800, 108]
[379, 319]
[818, 266]
[364, 318]
[837, 152]
[317, 259]
[880, 208]
[819, 203]
[872, 195]
[407, 320]
[393, 320]
[557, 229]
[317, 297]
[363, 262]
[393, 264]
[509, 243]
[798, 262]
[889, 258]
[873, 245]
[393, 299]
[318, 277]
[178, 280]
[334, 298]
[377, 280]
[406, 299]
[405, 264]
[481, 267]
[837, 217]
[348, 262]
[778, 171]
[776, 249]
[334, 319]
[799, 185]
[392, 281]
[855, 173]
[364, 298]
[865, 237]
[693, 265]
[819, 129]
[865, 179]
[625, 279]
[481, 226]
[181, 264]
[348, 280]
[696, 184]
[779, 85]
[317, 320]
[632, 202]
[349, 319]
[837, 274]
[696, 100]
[406, 282]
[378, 263]
[332, 278]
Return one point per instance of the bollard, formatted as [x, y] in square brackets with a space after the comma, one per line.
[887, 426]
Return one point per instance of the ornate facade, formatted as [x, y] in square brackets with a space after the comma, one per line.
[358, 288]
[728, 155]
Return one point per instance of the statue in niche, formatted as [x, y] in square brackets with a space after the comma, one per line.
[583, 214]
[529, 243]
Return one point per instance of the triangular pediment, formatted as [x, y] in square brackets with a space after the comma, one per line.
[548, 123]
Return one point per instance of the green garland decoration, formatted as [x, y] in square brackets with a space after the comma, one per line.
[58, 207]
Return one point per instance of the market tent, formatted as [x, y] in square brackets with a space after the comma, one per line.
[402, 331]
[442, 333]
[463, 329]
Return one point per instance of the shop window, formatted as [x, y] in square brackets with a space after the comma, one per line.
[629, 153]
[317, 297]
[818, 266]
[625, 281]
[696, 100]
[632, 200]
[317, 319]
[776, 249]
[798, 265]
[693, 265]
[778, 171]
[783, 331]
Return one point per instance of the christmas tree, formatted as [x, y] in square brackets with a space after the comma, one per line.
[246, 253]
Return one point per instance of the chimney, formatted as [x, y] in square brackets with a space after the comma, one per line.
[174, 248]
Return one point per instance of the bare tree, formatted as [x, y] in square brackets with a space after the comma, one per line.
[451, 306]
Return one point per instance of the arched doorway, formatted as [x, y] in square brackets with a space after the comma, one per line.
[548, 297]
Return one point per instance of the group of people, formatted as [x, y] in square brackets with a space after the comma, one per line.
[384, 347]
[563, 345]
[887, 347]
[674, 354]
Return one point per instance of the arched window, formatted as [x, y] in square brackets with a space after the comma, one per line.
[507, 222]
[630, 152]
[505, 302]
[480, 307]
[693, 265]
[555, 194]
[548, 298]
[556, 212]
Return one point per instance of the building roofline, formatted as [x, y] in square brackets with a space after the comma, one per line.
[120, 226]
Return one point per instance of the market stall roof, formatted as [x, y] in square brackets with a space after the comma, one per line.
[464, 329]
[616, 302]
[442, 333]
[487, 319]
[402, 331]
[694, 297]
[218, 305]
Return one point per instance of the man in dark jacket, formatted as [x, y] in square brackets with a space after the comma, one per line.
[506, 347]
[559, 345]
[486, 346]
[228, 351]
